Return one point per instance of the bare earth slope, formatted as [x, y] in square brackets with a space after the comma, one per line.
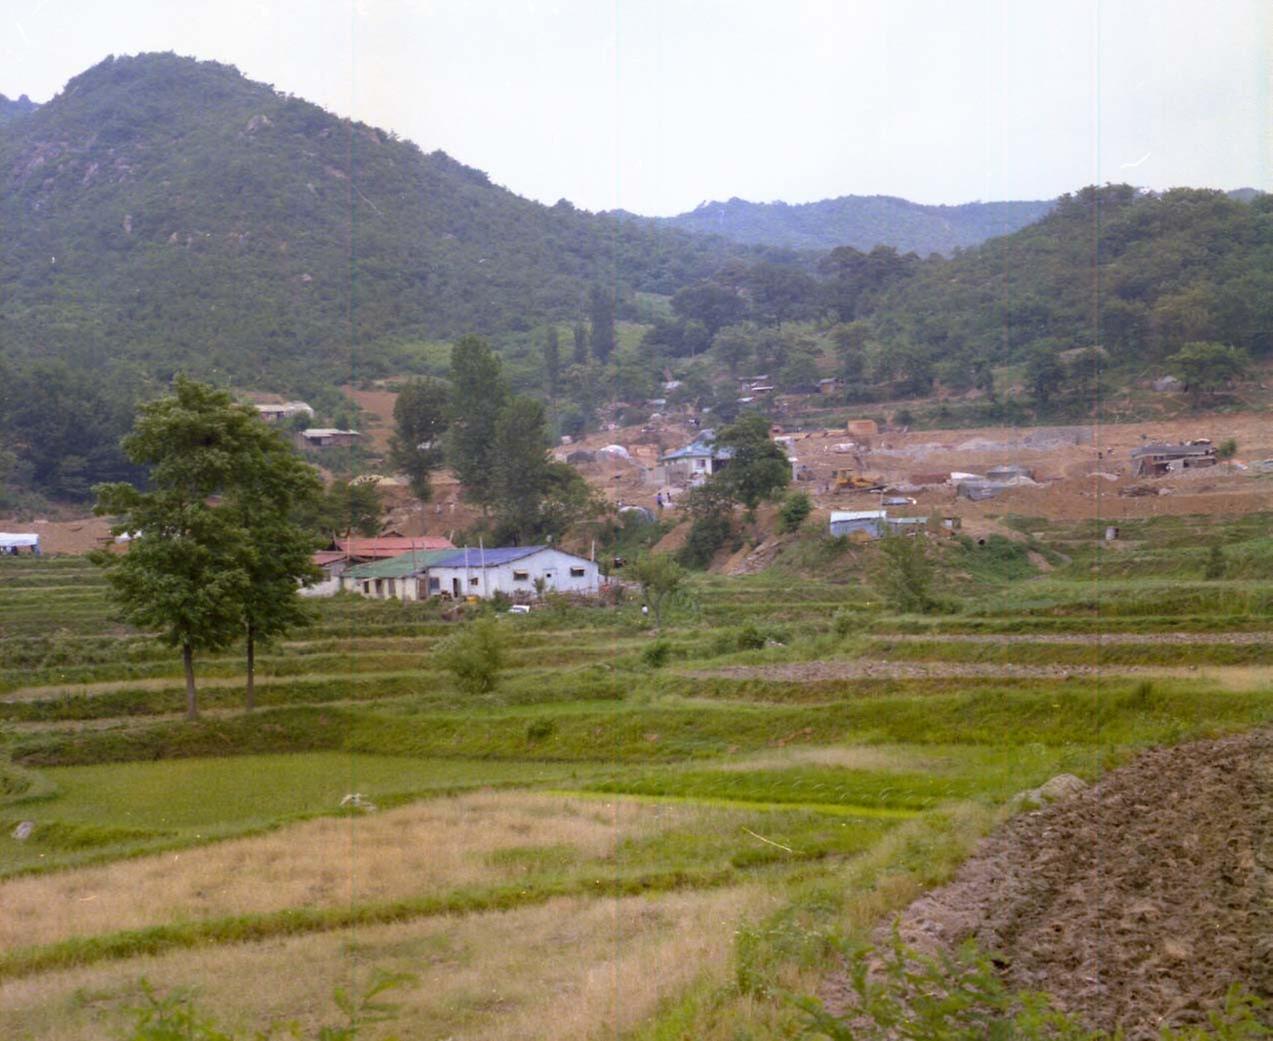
[1137, 902]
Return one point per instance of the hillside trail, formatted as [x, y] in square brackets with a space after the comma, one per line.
[1136, 902]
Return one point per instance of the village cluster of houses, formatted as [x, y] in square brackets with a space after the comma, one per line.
[396, 567]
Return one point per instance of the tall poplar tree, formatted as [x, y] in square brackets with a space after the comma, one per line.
[420, 419]
[552, 360]
[478, 394]
[601, 323]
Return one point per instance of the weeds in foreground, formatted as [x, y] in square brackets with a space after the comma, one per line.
[903, 995]
[174, 1017]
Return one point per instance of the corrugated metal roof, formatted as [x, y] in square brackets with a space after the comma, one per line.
[1172, 450]
[857, 515]
[492, 556]
[398, 567]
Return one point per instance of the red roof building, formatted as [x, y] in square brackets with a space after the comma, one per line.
[386, 546]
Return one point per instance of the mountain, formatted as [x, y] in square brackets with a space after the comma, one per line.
[1138, 273]
[165, 213]
[11, 109]
[860, 221]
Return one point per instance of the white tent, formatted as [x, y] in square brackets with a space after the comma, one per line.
[11, 541]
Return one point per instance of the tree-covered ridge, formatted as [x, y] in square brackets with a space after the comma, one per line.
[1138, 274]
[15, 108]
[173, 214]
[860, 221]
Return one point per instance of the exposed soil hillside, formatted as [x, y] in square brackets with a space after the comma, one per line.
[1136, 902]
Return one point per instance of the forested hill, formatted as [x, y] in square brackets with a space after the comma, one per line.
[174, 214]
[1138, 274]
[15, 108]
[860, 221]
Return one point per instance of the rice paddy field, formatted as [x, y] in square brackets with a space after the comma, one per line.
[617, 841]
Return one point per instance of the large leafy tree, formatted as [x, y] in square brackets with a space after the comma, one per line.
[758, 469]
[268, 496]
[1207, 367]
[478, 395]
[420, 420]
[218, 550]
[345, 508]
[187, 569]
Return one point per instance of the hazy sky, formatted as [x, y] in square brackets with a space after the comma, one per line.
[657, 105]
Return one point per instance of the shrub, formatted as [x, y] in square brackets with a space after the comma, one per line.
[904, 574]
[474, 656]
[795, 508]
[1216, 566]
[540, 730]
[707, 535]
[842, 621]
[656, 654]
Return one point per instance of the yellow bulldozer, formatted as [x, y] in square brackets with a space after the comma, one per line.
[851, 481]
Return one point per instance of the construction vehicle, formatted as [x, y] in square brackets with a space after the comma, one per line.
[850, 480]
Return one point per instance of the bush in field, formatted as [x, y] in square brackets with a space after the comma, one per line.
[474, 656]
[1216, 566]
[842, 621]
[660, 577]
[656, 654]
[793, 511]
[904, 574]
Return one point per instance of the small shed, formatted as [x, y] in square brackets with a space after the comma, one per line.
[1007, 471]
[862, 524]
[327, 437]
[276, 413]
[1154, 460]
[979, 491]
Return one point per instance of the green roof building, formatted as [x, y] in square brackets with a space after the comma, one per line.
[394, 578]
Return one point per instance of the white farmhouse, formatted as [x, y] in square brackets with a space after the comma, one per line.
[512, 571]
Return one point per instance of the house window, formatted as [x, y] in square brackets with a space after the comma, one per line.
[474, 580]
[521, 576]
[577, 572]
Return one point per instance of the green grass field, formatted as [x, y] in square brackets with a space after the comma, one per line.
[588, 774]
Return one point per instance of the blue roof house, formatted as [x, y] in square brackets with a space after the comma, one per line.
[511, 570]
[697, 461]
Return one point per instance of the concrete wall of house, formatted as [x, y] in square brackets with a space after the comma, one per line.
[562, 572]
[329, 586]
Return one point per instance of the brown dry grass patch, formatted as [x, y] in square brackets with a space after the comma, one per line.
[440, 844]
[570, 969]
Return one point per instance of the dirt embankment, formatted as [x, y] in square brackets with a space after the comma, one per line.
[1136, 902]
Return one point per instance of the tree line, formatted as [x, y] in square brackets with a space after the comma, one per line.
[496, 442]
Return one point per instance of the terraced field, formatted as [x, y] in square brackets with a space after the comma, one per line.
[654, 845]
